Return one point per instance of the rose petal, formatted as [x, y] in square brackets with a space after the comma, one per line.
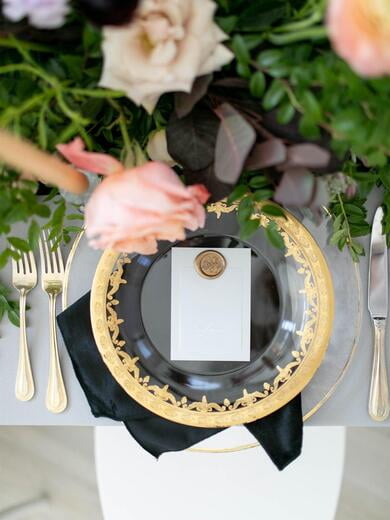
[131, 209]
[90, 161]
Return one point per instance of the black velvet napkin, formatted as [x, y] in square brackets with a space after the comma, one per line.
[280, 433]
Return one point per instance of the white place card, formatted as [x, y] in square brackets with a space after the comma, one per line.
[210, 318]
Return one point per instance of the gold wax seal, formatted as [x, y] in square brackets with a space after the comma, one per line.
[210, 264]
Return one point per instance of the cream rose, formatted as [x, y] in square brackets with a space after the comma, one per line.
[157, 148]
[166, 46]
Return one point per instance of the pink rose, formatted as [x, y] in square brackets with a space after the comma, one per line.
[133, 208]
[360, 33]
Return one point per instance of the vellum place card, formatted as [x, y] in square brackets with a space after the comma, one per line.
[210, 318]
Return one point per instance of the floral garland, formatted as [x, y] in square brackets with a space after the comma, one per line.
[182, 102]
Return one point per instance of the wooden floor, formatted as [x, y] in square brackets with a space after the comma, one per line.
[48, 473]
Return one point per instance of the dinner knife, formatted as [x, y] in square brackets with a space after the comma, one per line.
[378, 406]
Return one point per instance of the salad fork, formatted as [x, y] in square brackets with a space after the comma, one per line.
[52, 268]
[24, 279]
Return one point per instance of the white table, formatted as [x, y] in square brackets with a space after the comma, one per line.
[226, 486]
[347, 407]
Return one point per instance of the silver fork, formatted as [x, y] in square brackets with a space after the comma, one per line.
[24, 278]
[52, 268]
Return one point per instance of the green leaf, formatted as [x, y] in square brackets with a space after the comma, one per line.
[74, 65]
[249, 227]
[19, 243]
[257, 84]
[259, 15]
[58, 215]
[16, 255]
[341, 243]
[334, 239]
[350, 124]
[252, 41]
[280, 70]
[359, 230]
[240, 49]
[285, 113]
[308, 128]
[376, 158]
[358, 248]
[33, 234]
[4, 255]
[227, 23]
[272, 210]
[91, 38]
[258, 182]
[41, 210]
[273, 235]
[245, 209]
[354, 255]
[54, 232]
[75, 216]
[243, 70]
[311, 106]
[73, 229]
[238, 192]
[353, 209]
[384, 175]
[13, 316]
[264, 194]
[274, 95]
[270, 57]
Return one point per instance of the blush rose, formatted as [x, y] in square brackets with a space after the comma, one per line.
[133, 208]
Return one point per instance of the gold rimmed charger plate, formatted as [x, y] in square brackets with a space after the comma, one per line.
[291, 378]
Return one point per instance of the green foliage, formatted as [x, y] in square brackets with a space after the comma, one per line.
[8, 306]
[50, 94]
[293, 71]
[348, 222]
[253, 196]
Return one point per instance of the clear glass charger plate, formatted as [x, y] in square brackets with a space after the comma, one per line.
[344, 338]
[292, 312]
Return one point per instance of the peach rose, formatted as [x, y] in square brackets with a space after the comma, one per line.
[133, 208]
[360, 33]
[166, 46]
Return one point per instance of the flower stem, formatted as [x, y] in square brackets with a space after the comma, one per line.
[12, 113]
[96, 93]
[24, 67]
[11, 43]
[311, 20]
[313, 33]
[122, 125]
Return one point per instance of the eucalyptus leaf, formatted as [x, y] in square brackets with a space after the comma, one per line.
[191, 140]
[268, 153]
[296, 188]
[234, 141]
[185, 102]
